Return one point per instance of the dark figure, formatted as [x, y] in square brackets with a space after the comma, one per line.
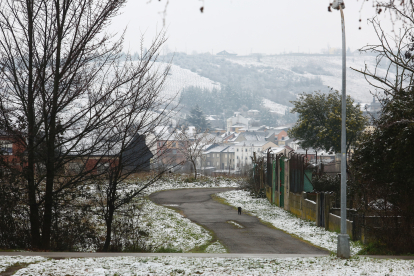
[239, 210]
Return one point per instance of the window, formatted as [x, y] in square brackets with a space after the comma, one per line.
[6, 147]
[218, 164]
[174, 151]
[246, 150]
[237, 149]
[173, 145]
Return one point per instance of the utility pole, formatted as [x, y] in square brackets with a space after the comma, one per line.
[343, 250]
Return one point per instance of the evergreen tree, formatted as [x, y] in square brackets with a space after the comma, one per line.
[197, 119]
[319, 123]
[383, 167]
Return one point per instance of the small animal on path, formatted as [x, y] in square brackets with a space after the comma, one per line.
[239, 210]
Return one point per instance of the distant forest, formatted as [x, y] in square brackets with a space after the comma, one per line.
[227, 100]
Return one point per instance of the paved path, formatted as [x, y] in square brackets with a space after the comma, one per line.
[254, 237]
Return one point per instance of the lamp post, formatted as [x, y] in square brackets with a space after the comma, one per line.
[343, 250]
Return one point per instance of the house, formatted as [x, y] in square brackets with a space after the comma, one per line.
[278, 137]
[168, 149]
[245, 150]
[314, 156]
[237, 122]
[253, 113]
[226, 53]
[221, 157]
[12, 151]
[137, 155]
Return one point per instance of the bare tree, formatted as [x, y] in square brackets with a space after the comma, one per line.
[129, 146]
[63, 91]
[193, 146]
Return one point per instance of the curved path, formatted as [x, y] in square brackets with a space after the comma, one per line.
[254, 237]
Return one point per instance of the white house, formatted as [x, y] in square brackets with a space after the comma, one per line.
[243, 151]
[237, 122]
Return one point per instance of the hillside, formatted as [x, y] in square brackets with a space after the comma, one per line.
[327, 68]
[268, 82]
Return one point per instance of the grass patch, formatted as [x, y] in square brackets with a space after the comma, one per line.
[376, 248]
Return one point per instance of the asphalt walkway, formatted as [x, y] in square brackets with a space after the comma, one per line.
[239, 233]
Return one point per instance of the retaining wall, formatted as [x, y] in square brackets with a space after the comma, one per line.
[335, 224]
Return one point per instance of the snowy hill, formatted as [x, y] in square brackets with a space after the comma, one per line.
[180, 78]
[330, 70]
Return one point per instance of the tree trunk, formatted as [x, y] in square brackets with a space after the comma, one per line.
[51, 140]
[195, 169]
[34, 208]
[108, 222]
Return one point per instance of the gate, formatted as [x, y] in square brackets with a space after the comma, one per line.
[282, 182]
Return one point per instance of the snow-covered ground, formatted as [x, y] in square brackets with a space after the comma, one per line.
[279, 218]
[219, 266]
[168, 229]
[8, 261]
[166, 225]
[180, 183]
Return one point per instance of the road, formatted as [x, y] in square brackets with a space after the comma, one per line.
[254, 237]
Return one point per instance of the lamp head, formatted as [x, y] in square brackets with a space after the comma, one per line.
[336, 3]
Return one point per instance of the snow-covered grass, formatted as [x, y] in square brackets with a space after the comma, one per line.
[281, 219]
[219, 266]
[171, 183]
[8, 261]
[168, 229]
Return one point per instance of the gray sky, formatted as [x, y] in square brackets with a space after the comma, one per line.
[242, 26]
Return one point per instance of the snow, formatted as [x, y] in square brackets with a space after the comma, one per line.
[285, 221]
[356, 85]
[8, 261]
[329, 265]
[168, 229]
[235, 224]
[275, 107]
[165, 225]
[180, 78]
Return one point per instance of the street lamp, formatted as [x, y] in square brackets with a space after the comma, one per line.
[343, 250]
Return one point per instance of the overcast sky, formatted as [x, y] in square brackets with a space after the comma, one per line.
[245, 26]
